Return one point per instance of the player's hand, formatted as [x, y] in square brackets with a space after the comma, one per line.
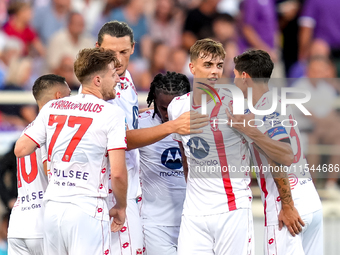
[240, 122]
[118, 215]
[190, 123]
[290, 217]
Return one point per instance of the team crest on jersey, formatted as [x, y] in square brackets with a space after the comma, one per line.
[199, 148]
[171, 158]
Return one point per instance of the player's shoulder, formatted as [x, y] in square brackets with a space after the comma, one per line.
[147, 119]
[178, 105]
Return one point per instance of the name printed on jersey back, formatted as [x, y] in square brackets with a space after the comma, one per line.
[67, 105]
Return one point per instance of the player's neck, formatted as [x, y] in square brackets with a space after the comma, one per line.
[91, 91]
[258, 90]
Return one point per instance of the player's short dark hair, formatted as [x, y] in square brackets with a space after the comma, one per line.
[256, 63]
[171, 83]
[205, 47]
[91, 61]
[46, 82]
[115, 29]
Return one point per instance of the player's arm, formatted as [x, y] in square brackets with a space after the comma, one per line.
[288, 216]
[278, 151]
[184, 161]
[187, 123]
[24, 146]
[119, 187]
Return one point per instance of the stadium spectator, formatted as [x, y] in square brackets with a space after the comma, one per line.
[178, 58]
[18, 25]
[91, 9]
[158, 64]
[165, 24]
[72, 39]
[323, 125]
[18, 75]
[50, 18]
[198, 23]
[65, 69]
[259, 27]
[133, 14]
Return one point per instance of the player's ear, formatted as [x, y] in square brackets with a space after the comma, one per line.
[57, 95]
[192, 68]
[96, 80]
[133, 48]
[97, 45]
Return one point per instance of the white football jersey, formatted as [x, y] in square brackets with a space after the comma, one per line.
[78, 131]
[278, 127]
[162, 178]
[215, 157]
[127, 99]
[27, 215]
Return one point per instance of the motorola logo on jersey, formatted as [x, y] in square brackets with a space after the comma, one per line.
[198, 147]
[171, 158]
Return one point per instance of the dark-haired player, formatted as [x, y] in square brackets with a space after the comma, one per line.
[25, 231]
[162, 177]
[81, 133]
[253, 70]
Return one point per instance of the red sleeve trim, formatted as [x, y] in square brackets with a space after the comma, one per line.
[177, 140]
[122, 148]
[284, 138]
[44, 161]
[33, 140]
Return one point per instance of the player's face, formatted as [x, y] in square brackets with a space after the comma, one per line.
[240, 82]
[207, 67]
[108, 83]
[162, 101]
[123, 49]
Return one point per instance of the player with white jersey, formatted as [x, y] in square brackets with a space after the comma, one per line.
[80, 132]
[161, 172]
[118, 36]
[25, 231]
[217, 216]
[280, 127]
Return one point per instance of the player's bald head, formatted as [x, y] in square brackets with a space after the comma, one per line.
[49, 87]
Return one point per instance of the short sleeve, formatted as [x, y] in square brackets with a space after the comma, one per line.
[117, 130]
[309, 14]
[36, 131]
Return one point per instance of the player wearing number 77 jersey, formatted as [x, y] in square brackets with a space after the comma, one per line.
[252, 70]
[79, 133]
[25, 231]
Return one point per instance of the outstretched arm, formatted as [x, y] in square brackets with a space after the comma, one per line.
[187, 123]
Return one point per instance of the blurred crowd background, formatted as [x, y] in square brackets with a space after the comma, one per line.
[302, 37]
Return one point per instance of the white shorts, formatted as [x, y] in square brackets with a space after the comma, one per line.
[69, 230]
[129, 240]
[308, 242]
[160, 240]
[228, 233]
[25, 246]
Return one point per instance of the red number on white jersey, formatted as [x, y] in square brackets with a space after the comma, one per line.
[73, 120]
[294, 134]
[22, 165]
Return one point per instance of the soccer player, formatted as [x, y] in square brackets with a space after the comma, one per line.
[25, 231]
[217, 217]
[162, 178]
[80, 134]
[253, 70]
[118, 36]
